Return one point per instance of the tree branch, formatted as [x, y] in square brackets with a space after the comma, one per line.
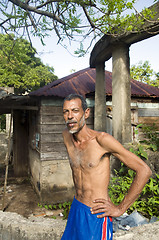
[141, 15]
[4, 21]
[88, 18]
[29, 37]
[32, 21]
[56, 30]
[26, 7]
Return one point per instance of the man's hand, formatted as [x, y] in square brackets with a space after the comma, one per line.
[107, 208]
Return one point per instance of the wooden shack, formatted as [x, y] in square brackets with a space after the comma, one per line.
[38, 148]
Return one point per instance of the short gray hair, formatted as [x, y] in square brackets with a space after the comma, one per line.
[75, 96]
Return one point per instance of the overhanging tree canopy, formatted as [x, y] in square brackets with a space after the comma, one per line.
[73, 19]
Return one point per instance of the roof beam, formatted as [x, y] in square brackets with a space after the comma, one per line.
[7, 109]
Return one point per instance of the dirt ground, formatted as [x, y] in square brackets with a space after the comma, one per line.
[21, 198]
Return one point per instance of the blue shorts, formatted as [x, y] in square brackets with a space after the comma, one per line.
[83, 225]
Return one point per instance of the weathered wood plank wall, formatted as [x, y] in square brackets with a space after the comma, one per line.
[51, 127]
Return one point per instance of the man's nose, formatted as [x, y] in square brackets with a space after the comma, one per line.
[70, 115]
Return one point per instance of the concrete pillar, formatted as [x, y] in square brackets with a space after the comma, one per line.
[121, 93]
[100, 99]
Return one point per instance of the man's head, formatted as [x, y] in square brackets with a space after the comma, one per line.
[75, 96]
[75, 112]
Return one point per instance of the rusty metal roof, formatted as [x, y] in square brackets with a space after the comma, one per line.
[83, 82]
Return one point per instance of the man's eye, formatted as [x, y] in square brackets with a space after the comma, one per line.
[76, 110]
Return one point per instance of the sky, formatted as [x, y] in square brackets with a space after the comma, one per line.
[63, 62]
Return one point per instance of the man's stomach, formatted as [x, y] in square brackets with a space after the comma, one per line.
[89, 196]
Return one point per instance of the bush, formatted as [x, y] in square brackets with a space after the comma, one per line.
[148, 201]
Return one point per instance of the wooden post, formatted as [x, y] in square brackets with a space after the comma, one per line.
[100, 99]
[7, 162]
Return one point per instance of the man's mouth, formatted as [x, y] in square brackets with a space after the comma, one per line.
[71, 124]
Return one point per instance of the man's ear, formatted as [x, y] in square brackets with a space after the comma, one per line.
[87, 112]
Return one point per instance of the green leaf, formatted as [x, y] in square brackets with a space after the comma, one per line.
[50, 206]
[60, 206]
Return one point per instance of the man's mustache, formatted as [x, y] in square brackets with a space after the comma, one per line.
[70, 121]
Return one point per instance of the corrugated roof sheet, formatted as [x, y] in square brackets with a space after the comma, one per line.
[83, 82]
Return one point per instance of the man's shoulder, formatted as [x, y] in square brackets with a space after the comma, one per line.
[103, 135]
[105, 139]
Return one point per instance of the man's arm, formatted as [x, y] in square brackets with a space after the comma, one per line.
[142, 170]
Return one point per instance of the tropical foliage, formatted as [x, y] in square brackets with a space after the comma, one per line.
[148, 201]
[144, 73]
[19, 67]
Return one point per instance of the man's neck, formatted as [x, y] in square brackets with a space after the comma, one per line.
[83, 135]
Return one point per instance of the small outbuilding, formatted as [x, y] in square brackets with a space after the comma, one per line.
[38, 149]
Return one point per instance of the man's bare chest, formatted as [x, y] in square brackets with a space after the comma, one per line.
[86, 156]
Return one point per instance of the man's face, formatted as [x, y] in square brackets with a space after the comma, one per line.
[74, 115]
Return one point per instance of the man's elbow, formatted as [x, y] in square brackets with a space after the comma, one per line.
[147, 171]
[144, 172]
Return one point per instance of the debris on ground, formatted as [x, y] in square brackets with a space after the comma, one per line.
[135, 219]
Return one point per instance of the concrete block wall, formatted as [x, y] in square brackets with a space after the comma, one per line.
[56, 183]
[16, 227]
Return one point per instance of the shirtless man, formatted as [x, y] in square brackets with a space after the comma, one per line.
[89, 152]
